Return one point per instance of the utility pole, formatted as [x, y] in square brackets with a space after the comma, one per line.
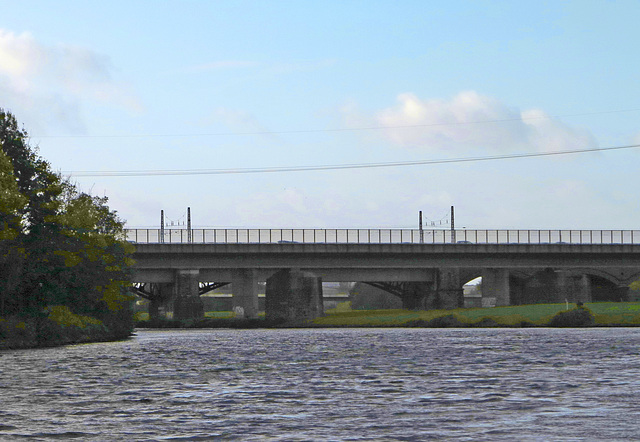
[420, 228]
[189, 234]
[162, 226]
[453, 228]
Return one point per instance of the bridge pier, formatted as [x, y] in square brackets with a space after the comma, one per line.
[244, 285]
[573, 288]
[449, 290]
[495, 285]
[162, 294]
[187, 303]
[295, 296]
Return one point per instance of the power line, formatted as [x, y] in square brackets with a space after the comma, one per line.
[133, 173]
[354, 129]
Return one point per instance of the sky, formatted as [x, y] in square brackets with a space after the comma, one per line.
[273, 114]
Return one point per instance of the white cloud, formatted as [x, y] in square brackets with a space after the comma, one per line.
[20, 55]
[50, 83]
[471, 121]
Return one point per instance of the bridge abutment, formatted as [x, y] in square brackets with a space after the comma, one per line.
[244, 285]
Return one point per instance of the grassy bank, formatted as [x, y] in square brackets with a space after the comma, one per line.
[604, 314]
[625, 314]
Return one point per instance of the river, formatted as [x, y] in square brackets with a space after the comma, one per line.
[329, 384]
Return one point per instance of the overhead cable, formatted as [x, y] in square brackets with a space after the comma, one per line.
[233, 171]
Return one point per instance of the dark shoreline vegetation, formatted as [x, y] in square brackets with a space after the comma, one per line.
[64, 262]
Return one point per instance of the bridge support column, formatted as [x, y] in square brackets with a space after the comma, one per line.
[244, 286]
[162, 295]
[294, 296]
[573, 288]
[583, 288]
[449, 291]
[495, 285]
[187, 304]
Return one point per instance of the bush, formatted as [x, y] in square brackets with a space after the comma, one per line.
[16, 333]
[487, 323]
[448, 321]
[577, 317]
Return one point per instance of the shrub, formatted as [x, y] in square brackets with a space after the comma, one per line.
[577, 317]
[448, 321]
[487, 323]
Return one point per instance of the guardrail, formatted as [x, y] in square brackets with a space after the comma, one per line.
[380, 236]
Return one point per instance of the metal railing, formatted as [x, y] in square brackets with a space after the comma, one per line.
[380, 236]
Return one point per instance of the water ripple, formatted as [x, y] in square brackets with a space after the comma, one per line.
[347, 384]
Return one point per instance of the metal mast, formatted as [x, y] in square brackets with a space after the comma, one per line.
[453, 228]
[162, 226]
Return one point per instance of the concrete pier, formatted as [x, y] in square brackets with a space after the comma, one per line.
[495, 286]
[449, 289]
[161, 295]
[244, 284]
[293, 296]
[187, 303]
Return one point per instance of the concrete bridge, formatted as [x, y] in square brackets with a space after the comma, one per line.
[427, 269]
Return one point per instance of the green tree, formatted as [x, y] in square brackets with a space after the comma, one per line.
[71, 246]
[11, 254]
[37, 229]
[96, 254]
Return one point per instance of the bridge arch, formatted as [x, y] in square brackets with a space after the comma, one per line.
[618, 276]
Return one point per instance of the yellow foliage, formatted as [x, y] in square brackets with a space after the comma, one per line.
[65, 317]
[71, 259]
[113, 296]
[7, 233]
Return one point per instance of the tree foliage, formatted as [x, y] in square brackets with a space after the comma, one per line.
[58, 246]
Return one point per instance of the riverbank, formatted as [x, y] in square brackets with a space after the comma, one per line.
[62, 327]
[606, 314]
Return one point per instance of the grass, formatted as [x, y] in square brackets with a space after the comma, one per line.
[605, 313]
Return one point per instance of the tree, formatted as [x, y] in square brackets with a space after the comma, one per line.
[96, 254]
[11, 254]
[58, 246]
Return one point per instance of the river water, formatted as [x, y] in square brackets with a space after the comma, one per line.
[329, 384]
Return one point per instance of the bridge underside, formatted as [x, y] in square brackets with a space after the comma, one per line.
[431, 288]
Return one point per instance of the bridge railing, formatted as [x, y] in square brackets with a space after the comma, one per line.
[380, 236]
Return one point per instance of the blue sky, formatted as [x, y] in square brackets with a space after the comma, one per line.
[203, 85]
